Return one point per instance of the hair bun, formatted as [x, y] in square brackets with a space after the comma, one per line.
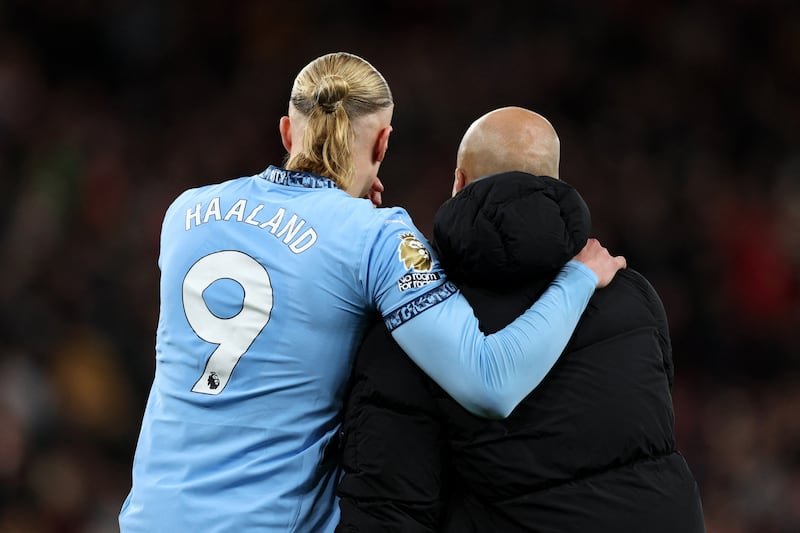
[330, 92]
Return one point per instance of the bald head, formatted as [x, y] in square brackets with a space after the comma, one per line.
[507, 139]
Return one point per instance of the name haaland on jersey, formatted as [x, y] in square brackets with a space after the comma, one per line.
[289, 230]
[298, 235]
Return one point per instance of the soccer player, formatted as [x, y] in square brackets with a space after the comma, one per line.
[592, 448]
[268, 284]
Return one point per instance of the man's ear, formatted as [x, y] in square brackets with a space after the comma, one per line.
[285, 128]
[460, 181]
[382, 144]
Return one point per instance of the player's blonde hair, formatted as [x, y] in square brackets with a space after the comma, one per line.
[331, 92]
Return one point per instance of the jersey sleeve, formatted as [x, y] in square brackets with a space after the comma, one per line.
[489, 375]
[435, 325]
[401, 273]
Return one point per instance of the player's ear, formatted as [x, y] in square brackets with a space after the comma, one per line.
[460, 181]
[382, 144]
[285, 128]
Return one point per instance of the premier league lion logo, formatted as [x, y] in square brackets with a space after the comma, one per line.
[413, 253]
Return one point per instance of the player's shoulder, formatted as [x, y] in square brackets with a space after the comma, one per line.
[208, 190]
[389, 217]
[387, 222]
[193, 198]
[361, 212]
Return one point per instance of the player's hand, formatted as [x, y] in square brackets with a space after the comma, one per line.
[602, 263]
[374, 194]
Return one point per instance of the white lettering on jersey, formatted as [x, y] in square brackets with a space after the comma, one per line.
[290, 229]
[275, 221]
[299, 246]
[236, 211]
[251, 218]
[288, 232]
[193, 215]
[213, 210]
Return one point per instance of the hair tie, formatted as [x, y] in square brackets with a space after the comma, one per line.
[329, 107]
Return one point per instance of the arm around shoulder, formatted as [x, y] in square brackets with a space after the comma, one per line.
[490, 375]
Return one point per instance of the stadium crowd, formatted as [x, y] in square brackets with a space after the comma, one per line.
[678, 123]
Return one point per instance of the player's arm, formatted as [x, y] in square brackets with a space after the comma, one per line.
[435, 325]
[490, 374]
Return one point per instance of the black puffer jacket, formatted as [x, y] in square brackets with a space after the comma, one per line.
[591, 449]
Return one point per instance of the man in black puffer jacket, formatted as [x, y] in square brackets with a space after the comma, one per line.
[592, 448]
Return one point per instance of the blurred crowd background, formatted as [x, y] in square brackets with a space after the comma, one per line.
[679, 123]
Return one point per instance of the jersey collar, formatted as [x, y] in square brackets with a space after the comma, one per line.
[294, 178]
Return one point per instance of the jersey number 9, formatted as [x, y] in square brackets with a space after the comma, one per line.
[233, 335]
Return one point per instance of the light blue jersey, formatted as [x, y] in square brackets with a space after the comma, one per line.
[267, 286]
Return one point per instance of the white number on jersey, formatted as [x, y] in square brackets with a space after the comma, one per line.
[233, 335]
